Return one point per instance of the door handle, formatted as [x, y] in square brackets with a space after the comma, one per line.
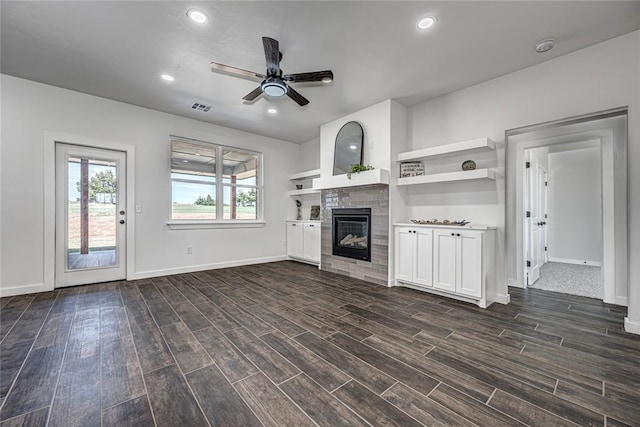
[122, 221]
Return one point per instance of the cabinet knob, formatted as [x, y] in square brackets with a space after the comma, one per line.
[453, 234]
[294, 224]
[458, 234]
[311, 225]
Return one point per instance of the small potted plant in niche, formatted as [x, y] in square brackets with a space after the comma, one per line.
[299, 205]
[357, 168]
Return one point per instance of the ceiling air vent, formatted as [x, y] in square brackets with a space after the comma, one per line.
[201, 107]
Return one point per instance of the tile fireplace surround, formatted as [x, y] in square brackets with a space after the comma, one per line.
[375, 197]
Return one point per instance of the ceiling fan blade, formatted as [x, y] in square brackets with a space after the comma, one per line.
[301, 100]
[253, 94]
[314, 76]
[238, 72]
[272, 55]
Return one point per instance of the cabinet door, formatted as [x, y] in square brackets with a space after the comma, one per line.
[469, 263]
[405, 254]
[295, 239]
[444, 260]
[423, 257]
[311, 242]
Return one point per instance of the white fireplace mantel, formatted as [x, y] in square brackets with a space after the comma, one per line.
[372, 177]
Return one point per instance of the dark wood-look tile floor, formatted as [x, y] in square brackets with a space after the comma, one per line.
[286, 344]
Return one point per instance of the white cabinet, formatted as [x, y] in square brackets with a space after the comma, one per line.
[295, 236]
[414, 257]
[457, 261]
[451, 261]
[311, 242]
[303, 240]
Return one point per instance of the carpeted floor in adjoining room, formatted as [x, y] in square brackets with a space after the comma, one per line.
[573, 279]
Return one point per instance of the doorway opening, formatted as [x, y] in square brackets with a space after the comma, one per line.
[563, 218]
[594, 146]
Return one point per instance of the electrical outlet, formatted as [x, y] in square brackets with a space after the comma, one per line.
[189, 250]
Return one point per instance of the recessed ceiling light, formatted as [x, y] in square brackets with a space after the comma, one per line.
[167, 77]
[197, 16]
[426, 22]
[545, 45]
[272, 110]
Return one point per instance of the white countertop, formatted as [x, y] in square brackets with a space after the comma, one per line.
[457, 227]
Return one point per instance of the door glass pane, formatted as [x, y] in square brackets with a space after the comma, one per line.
[91, 213]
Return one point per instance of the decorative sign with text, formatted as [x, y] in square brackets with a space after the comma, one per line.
[409, 169]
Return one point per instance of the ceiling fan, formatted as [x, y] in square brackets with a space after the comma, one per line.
[274, 83]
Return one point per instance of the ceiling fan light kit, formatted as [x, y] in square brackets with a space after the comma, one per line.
[274, 83]
[274, 86]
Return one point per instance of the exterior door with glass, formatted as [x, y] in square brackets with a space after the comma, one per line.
[90, 215]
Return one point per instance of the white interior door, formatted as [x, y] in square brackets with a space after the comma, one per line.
[536, 219]
[90, 215]
[542, 247]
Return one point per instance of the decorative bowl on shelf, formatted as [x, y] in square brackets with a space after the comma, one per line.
[298, 186]
[468, 165]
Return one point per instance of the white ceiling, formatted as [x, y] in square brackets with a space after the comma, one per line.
[117, 50]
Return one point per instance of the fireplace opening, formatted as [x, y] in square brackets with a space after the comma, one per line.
[352, 233]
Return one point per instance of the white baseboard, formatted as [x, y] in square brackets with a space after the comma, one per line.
[502, 299]
[515, 283]
[304, 261]
[618, 301]
[202, 267]
[633, 327]
[23, 290]
[575, 261]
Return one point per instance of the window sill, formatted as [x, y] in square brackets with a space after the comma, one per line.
[198, 225]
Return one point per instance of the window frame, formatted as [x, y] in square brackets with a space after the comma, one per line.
[220, 185]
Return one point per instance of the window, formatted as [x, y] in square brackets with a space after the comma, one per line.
[214, 183]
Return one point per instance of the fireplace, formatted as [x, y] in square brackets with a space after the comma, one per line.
[352, 233]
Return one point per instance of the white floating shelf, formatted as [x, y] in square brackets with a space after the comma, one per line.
[448, 176]
[303, 192]
[304, 175]
[456, 147]
[372, 177]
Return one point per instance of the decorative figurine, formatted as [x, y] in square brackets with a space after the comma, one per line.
[299, 205]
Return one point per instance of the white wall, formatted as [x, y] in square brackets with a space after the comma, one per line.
[309, 157]
[30, 109]
[600, 77]
[575, 206]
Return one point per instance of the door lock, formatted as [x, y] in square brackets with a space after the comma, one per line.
[122, 221]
